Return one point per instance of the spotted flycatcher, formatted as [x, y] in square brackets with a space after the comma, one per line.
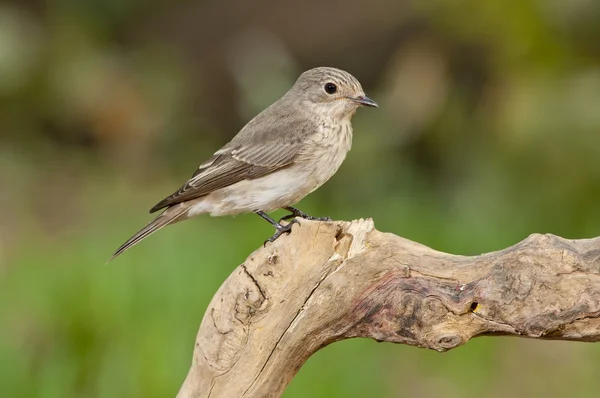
[283, 154]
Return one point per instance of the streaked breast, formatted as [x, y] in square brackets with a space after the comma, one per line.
[329, 150]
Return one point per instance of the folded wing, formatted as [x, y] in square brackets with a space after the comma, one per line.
[266, 144]
[231, 165]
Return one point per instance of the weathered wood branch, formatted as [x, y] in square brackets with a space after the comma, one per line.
[332, 281]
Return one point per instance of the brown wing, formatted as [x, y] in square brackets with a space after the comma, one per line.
[231, 165]
[269, 142]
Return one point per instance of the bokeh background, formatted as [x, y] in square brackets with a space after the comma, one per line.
[488, 130]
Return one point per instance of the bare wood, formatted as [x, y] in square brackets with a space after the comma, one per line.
[331, 281]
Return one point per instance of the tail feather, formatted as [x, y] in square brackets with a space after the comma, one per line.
[169, 216]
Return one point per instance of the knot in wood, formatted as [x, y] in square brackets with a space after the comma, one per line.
[447, 341]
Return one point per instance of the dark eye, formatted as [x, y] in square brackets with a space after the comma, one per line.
[330, 88]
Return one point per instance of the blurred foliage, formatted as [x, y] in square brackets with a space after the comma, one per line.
[488, 130]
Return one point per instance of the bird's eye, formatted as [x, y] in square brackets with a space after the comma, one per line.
[330, 88]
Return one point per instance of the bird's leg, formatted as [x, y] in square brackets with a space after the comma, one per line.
[299, 213]
[279, 229]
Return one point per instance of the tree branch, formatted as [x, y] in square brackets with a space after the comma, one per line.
[331, 281]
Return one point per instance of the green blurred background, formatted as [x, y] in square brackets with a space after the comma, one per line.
[488, 130]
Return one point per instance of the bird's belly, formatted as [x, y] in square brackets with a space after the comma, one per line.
[279, 189]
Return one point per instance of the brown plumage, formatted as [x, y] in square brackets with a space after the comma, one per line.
[284, 153]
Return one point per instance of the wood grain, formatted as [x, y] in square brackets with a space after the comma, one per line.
[328, 281]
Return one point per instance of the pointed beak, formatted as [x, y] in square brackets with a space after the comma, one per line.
[364, 100]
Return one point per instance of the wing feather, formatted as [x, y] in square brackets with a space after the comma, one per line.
[226, 170]
[253, 153]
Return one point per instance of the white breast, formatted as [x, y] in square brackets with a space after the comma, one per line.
[331, 148]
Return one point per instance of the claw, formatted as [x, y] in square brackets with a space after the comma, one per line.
[280, 230]
[285, 218]
[298, 213]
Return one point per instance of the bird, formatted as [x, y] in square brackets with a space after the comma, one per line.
[284, 153]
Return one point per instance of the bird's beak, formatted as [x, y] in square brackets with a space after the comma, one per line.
[364, 100]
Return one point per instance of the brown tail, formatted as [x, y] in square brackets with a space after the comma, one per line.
[169, 216]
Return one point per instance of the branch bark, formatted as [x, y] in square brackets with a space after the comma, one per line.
[331, 281]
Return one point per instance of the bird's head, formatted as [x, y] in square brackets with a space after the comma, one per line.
[330, 92]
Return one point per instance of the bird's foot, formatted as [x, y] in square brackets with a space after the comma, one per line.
[280, 230]
[299, 213]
